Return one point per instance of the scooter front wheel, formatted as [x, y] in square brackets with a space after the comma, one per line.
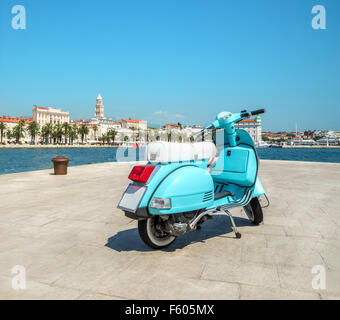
[254, 211]
[149, 232]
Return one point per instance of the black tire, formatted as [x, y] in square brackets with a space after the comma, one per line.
[147, 234]
[256, 210]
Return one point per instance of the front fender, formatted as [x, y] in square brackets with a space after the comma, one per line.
[259, 190]
[189, 188]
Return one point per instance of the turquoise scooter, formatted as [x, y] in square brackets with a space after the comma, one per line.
[183, 184]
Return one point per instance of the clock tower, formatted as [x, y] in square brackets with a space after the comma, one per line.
[99, 108]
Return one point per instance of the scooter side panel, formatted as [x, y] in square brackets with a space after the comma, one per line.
[163, 170]
[189, 188]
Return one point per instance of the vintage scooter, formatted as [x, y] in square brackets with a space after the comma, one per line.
[184, 183]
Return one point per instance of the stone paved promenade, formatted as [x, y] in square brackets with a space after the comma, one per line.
[75, 244]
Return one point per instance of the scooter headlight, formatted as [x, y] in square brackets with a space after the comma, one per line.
[161, 203]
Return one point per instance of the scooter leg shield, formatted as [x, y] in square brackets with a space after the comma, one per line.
[259, 190]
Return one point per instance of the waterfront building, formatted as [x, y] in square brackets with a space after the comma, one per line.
[103, 127]
[128, 131]
[45, 115]
[328, 142]
[134, 124]
[253, 127]
[180, 133]
[171, 126]
[326, 134]
[302, 142]
[98, 128]
[99, 108]
[277, 136]
[107, 123]
[11, 122]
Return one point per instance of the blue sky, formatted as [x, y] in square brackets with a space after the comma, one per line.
[169, 61]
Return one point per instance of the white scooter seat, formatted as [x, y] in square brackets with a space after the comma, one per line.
[168, 152]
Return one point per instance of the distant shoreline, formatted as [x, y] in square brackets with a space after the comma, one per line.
[25, 146]
[56, 146]
[310, 147]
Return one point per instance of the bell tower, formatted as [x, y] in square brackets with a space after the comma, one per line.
[99, 108]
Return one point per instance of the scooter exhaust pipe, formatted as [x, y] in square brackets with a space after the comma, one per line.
[180, 228]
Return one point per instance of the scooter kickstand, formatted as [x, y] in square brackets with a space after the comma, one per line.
[237, 234]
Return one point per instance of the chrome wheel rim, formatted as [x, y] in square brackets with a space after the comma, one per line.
[153, 234]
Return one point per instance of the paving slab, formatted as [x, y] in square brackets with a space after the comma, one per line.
[73, 242]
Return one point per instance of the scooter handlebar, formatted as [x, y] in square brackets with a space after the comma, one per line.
[256, 112]
[239, 117]
[202, 132]
[198, 134]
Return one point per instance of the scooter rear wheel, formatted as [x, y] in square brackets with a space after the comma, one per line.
[254, 211]
[151, 237]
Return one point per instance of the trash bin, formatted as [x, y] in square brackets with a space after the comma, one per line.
[60, 165]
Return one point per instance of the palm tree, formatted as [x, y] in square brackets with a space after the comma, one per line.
[112, 135]
[133, 132]
[75, 129]
[137, 138]
[18, 130]
[169, 136]
[59, 132]
[95, 129]
[46, 132]
[54, 134]
[17, 134]
[108, 137]
[66, 127]
[3, 127]
[192, 139]
[104, 138]
[148, 134]
[21, 123]
[83, 131]
[33, 130]
[72, 133]
[9, 135]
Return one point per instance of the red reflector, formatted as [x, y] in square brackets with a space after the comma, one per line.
[141, 173]
[211, 162]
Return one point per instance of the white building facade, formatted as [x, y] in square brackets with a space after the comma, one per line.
[45, 115]
[253, 127]
[11, 123]
[134, 124]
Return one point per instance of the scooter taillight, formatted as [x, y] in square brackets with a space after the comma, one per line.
[141, 173]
